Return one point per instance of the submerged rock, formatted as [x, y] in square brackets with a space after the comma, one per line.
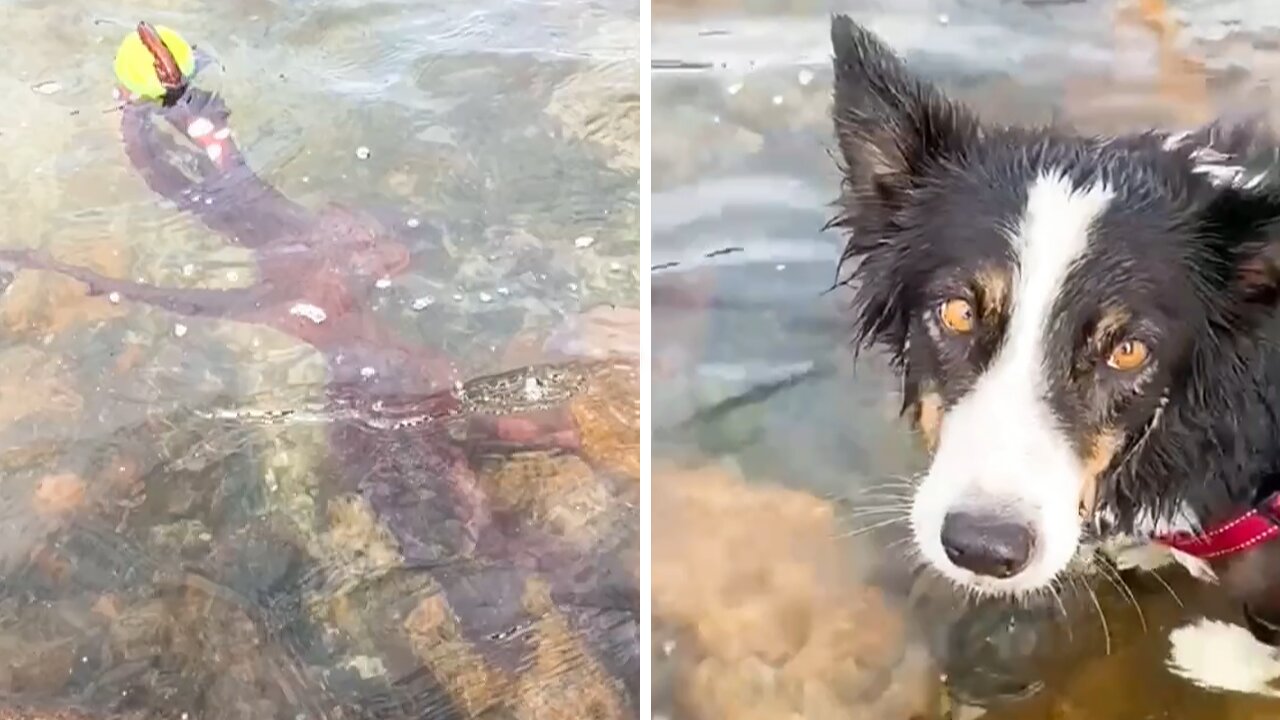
[764, 617]
[601, 105]
[32, 713]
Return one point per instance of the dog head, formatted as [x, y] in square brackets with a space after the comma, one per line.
[1046, 296]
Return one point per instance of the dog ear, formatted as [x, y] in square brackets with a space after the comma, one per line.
[890, 125]
[1245, 224]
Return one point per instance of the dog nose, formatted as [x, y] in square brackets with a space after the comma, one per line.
[986, 544]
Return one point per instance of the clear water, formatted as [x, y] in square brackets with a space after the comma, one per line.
[183, 536]
[751, 366]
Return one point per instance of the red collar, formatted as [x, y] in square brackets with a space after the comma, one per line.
[1258, 525]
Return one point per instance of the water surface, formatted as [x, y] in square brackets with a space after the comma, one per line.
[753, 373]
[181, 537]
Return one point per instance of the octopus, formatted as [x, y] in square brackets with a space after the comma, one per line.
[407, 426]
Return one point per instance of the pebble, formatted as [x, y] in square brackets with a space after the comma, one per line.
[504, 291]
[584, 242]
[114, 298]
[180, 330]
[423, 302]
[362, 152]
[486, 297]
[413, 222]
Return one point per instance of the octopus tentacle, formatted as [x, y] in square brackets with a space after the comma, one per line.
[225, 193]
[163, 178]
[184, 301]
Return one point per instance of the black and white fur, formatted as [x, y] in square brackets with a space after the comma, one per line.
[1065, 246]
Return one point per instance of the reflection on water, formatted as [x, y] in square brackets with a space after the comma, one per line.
[257, 493]
[753, 375]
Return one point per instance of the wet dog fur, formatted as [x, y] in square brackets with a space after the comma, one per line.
[1086, 327]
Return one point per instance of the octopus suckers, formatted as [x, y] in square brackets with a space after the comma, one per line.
[311, 312]
[533, 391]
[199, 128]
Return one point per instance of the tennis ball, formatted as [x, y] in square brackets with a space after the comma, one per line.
[136, 68]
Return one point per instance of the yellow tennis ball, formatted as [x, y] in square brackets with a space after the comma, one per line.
[136, 68]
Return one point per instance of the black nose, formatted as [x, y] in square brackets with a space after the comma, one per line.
[987, 544]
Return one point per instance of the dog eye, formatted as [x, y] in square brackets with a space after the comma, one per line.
[1128, 355]
[956, 315]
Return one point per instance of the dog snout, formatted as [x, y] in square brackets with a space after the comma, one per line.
[988, 545]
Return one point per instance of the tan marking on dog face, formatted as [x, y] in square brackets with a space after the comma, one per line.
[929, 418]
[1110, 325]
[1103, 450]
[993, 286]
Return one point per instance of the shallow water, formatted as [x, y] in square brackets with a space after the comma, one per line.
[187, 530]
[751, 365]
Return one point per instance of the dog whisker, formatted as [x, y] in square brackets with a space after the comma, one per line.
[879, 510]
[1113, 577]
[905, 488]
[899, 542]
[1146, 434]
[1160, 579]
[875, 526]
[895, 481]
[885, 496]
[1102, 617]
[1062, 607]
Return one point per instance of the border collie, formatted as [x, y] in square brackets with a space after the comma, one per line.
[1086, 329]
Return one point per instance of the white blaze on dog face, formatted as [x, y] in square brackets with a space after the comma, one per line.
[1001, 452]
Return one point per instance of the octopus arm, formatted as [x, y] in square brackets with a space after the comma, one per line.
[184, 301]
[187, 154]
